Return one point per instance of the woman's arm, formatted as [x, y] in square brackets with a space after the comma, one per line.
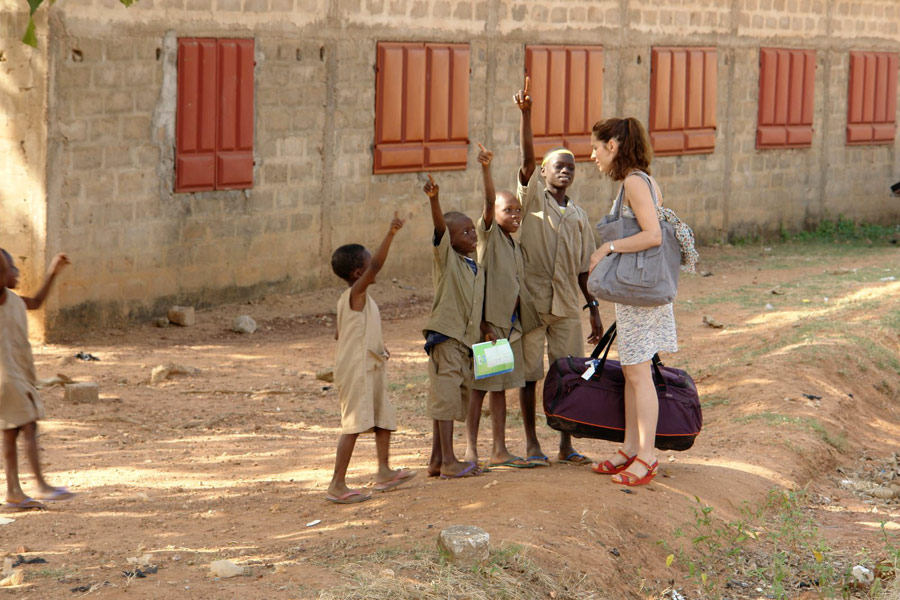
[637, 194]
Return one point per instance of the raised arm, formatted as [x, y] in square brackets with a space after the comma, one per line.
[490, 194]
[358, 289]
[526, 138]
[431, 190]
[58, 264]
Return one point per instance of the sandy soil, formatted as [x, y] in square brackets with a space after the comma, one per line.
[233, 460]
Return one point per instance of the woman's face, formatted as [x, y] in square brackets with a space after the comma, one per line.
[603, 153]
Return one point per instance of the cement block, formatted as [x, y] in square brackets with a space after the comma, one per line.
[82, 393]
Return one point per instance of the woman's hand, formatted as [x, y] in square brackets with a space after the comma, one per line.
[598, 255]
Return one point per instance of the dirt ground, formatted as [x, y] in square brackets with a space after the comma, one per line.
[232, 461]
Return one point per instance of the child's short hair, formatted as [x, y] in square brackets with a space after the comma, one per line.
[347, 259]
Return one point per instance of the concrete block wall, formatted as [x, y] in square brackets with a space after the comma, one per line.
[23, 149]
[137, 246]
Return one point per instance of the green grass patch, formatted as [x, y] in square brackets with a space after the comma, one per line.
[775, 546]
[841, 230]
[837, 441]
[711, 400]
[508, 574]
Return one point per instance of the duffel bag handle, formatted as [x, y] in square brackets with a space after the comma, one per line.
[604, 346]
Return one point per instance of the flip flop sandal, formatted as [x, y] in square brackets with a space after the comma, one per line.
[607, 468]
[471, 471]
[630, 479]
[516, 462]
[400, 477]
[57, 495]
[351, 497]
[541, 460]
[580, 459]
[26, 504]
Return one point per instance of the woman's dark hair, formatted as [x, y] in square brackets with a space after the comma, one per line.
[347, 259]
[634, 147]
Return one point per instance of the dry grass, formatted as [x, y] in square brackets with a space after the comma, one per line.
[507, 575]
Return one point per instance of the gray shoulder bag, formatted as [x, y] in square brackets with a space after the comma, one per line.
[645, 278]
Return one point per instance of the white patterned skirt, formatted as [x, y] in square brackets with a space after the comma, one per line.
[642, 331]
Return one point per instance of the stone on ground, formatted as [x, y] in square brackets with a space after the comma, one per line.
[325, 375]
[82, 393]
[465, 543]
[243, 324]
[163, 372]
[182, 315]
[225, 569]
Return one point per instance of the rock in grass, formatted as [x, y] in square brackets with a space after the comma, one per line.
[465, 543]
[243, 324]
[182, 315]
[82, 393]
[225, 569]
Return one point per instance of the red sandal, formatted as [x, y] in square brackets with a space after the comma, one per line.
[630, 479]
[607, 468]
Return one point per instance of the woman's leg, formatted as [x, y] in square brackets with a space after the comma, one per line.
[640, 428]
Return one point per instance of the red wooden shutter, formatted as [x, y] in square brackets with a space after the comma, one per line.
[195, 147]
[566, 94]
[399, 107]
[234, 156]
[421, 107]
[786, 89]
[447, 125]
[872, 98]
[683, 100]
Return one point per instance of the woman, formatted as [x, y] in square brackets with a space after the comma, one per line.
[621, 149]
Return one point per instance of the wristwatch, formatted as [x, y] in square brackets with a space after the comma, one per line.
[591, 304]
[611, 247]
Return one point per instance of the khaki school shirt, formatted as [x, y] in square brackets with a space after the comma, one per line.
[557, 246]
[458, 295]
[504, 267]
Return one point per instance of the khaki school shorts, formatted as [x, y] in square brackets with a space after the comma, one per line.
[563, 336]
[450, 380]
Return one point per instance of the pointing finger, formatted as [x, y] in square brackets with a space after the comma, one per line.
[527, 84]
[480, 147]
[430, 179]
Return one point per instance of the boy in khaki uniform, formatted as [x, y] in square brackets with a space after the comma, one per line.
[453, 326]
[508, 312]
[557, 240]
[359, 370]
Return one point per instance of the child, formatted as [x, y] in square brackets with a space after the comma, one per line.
[508, 312]
[557, 241]
[359, 370]
[453, 326]
[12, 278]
[20, 404]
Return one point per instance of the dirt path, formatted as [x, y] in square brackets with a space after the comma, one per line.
[233, 461]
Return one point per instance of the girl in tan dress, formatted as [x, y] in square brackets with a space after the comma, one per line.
[20, 404]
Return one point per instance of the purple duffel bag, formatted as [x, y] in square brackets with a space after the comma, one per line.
[595, 407]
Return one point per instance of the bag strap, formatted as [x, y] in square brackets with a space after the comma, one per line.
[605, 341]
[605, 345]
[649, 183]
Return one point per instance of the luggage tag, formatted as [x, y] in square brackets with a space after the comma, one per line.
[589, 372]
